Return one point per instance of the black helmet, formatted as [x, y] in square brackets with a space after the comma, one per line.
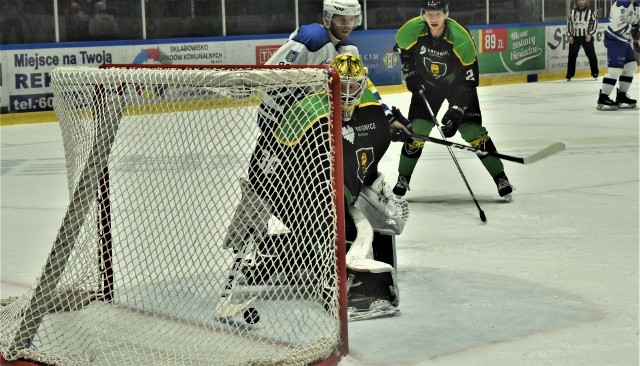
[435, 5]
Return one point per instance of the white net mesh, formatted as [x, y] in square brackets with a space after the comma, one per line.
[184, 222]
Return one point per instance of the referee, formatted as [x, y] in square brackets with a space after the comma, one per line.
[581, 26]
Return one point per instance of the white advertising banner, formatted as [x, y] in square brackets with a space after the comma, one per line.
[558, 50]
[26, 72]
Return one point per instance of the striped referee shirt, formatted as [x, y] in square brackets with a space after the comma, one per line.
[581, 22]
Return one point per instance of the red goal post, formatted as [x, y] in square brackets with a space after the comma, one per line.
[155, 156]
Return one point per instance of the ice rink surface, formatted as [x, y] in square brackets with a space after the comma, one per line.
[550, 279]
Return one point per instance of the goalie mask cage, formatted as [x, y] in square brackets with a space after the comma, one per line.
[155, 159]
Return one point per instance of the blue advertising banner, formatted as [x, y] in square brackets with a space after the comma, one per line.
[376, 50]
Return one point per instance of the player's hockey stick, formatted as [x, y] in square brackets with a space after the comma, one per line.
[552, 149]
[453, 156]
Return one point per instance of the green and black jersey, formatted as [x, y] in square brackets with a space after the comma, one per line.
[449, 61]
[288, 164]
[365, 139]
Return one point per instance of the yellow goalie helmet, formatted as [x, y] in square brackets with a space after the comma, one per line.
[353, 80]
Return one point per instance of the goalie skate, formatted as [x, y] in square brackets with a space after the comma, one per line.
[377, 309]
[372, 295]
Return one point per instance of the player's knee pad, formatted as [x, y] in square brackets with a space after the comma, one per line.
[422, 126]
[412, 149]
[471, 131]
[484, 143]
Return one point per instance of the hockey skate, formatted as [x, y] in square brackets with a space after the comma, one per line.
[624, 102]
[371, 296]
[372, 288]
[402, 186]
[504, 187]
[605, 103]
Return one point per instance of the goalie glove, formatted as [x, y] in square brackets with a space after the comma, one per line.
[382, 208]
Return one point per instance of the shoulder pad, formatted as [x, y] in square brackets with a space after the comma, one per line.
[313, 36]
[463, 44]
[408, 34]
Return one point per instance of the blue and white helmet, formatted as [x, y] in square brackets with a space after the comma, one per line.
[341, 7]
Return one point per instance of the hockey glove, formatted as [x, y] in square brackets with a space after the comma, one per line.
[451, 120]
[399, 126]
[412, 81]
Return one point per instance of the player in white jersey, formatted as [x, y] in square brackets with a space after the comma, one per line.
[318, 44]
[620, 34]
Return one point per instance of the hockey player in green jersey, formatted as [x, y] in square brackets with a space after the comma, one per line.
[438, 58]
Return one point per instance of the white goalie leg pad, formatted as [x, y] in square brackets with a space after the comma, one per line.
[360, 256]
[251, 217]
[382, 208]
[361, 248]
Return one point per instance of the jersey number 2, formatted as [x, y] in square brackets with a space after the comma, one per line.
[470, 76]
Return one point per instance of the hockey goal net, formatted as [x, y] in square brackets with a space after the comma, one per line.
[142, 271]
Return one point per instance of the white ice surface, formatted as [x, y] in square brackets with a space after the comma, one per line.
[550, 279]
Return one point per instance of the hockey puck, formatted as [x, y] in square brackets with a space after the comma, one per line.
[251, 316]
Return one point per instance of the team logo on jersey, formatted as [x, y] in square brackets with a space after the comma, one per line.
[365, 159]
[437, 69]
[348, 133]
[292, 56]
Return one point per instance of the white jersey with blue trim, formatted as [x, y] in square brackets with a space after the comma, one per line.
[623, 16]
[310, 45]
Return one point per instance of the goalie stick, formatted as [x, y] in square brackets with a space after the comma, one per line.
[552, 149]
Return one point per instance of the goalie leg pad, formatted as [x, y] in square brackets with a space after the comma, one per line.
[250, 218]
[361, 246]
